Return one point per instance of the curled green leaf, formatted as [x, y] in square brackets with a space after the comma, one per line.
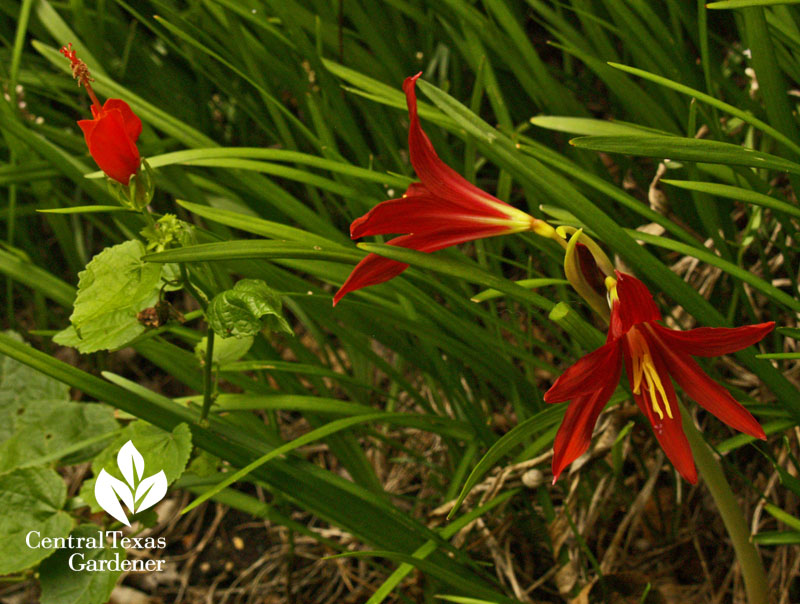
[245, 310]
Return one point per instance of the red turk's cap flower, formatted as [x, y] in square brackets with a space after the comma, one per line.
[652, 354]
[111, 137]
[441, 210]
[112, 132]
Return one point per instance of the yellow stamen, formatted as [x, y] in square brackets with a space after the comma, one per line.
[644, 367]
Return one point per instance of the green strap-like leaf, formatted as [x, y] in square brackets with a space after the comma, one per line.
[714, 102]
[234, 250]
[511, 439]
[402, 419]
[686, 149]
[736, 193]
[731, 4]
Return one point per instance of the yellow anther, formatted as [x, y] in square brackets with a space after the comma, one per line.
[644, 367]
[655, 387]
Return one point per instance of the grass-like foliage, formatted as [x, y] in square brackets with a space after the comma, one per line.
[396, 447]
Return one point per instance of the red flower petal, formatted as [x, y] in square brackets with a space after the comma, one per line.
[421, 214]
[670, 436]
[415, 189]
[575, 433]
[439, 178]
[708, 394]
[713, 341]
[133, 125]
[87, 126]
[375, 269]
[634, 305]
[668, 430]
[595, 370]
[109, 145]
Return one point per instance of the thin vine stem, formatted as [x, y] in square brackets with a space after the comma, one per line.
[201, 300]
[208, 368]
[207, 375]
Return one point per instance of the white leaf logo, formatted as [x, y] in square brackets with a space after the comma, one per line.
[129, 458]
[109, 491]
[151, 490]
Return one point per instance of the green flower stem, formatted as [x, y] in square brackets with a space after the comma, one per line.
[207, 370]
[10, 226]
[148, 218]
[201, 300]
[755, 579]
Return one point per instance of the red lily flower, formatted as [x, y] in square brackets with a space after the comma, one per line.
[112, 132]
[441, 210]
[651, 353]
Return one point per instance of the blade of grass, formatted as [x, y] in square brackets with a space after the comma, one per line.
[686, 149]
[737, 193]
[516, 436]
[731, 4]
[230, 250]
[777, 135]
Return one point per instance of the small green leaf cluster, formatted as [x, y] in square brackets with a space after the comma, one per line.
[168, 232]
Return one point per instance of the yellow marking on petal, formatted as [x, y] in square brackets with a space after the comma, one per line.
[540, 227]
[611, 286]
[637, 375]
[515, 219]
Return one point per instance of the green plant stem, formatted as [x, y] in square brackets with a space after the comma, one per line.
[16, 57]
[755, 579]
[201, 300]
[209, 365]
[148, 218]
[207, 371]
[10, 226]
